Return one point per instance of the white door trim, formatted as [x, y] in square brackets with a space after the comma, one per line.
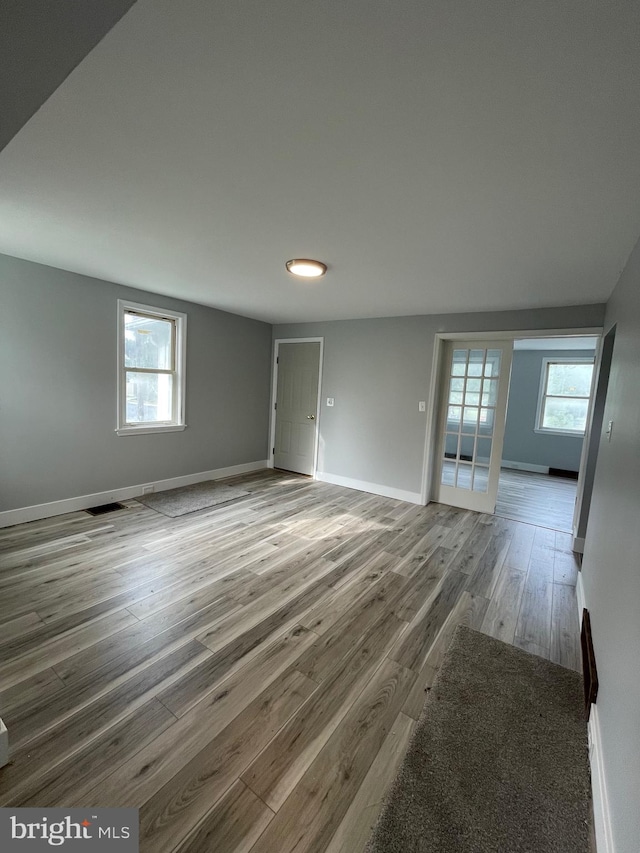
[431, 436]
[578, 542]
[274, 394]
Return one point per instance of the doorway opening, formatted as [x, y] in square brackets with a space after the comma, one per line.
[546, 421]
[566, 401]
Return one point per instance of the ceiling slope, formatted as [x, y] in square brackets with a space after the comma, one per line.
[438, 156]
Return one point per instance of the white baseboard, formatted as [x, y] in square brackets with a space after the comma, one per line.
[373, 488]
[580, 597]
[525, 466]
[33, 513]
[4, 745]
[601, 815]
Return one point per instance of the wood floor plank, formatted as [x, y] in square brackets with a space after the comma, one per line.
[544, 545]
[62, 782]
[565, 567]
[138, 778]
[423, 536]
[468, 610]
[418, 695]
[169, 816]
[332, 605]
[538, 499]
[469, 555]
[147, 637]
[37, 687]
[130, 676]
[534, 620]
[357, 824]
[60, 647]
[269, 638]
[415, 644]
[424, 583]
[504, 608]
[565, 631]
[233, 825]
[352, 628]
[487, 571]
[312, 814]
[223, 581]
[14, 628]
[39, 746]
[268, 600]
[519, 552]
[276, 771]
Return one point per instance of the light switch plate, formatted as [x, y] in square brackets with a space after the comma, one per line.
[330, 401]
[422, 406]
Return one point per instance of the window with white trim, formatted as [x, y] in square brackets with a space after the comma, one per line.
[565, 389]
[151, 369]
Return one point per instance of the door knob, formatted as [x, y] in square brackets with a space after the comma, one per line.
[311, 417]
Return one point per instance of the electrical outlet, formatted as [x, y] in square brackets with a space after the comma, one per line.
[330, 401]
[147, 490]
[422, 406]
[609, 430]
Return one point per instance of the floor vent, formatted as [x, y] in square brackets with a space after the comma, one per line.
[100, 510]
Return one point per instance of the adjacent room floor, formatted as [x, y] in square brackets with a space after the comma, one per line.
[249, 675]
[537, 499]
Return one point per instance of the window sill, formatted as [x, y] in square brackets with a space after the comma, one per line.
[571, 432]
[147, 429]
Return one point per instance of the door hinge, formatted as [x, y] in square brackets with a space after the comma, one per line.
[275, 405]
[273, 450]
[278, 359]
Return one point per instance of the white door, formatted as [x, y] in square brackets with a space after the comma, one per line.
[473, 404]
[297, 406]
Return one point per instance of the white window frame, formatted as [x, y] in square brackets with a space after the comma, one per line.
[542, 395]
[177, 421]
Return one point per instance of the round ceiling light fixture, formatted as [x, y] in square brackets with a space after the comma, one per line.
[306, 268]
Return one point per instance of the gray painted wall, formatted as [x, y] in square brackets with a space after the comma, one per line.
[611, 565]
[378, 370]
[521, 442]
[58, 392]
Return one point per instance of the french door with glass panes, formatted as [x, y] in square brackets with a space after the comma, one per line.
[474, 388]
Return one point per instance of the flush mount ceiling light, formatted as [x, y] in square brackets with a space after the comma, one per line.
[306, 268]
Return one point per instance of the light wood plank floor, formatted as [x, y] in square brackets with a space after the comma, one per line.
[537, 499]
[249, 676]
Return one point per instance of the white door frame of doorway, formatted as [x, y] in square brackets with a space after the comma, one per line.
[429, 462]
[274, 394]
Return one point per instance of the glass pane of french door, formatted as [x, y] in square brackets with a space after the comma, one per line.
[472, 424]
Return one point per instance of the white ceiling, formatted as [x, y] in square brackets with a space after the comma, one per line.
[438, 155]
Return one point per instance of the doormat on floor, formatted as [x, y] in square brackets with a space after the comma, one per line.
[498, 761]
[186, 499]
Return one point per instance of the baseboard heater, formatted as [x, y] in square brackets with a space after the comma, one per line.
[589, 669]
[562, 472]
